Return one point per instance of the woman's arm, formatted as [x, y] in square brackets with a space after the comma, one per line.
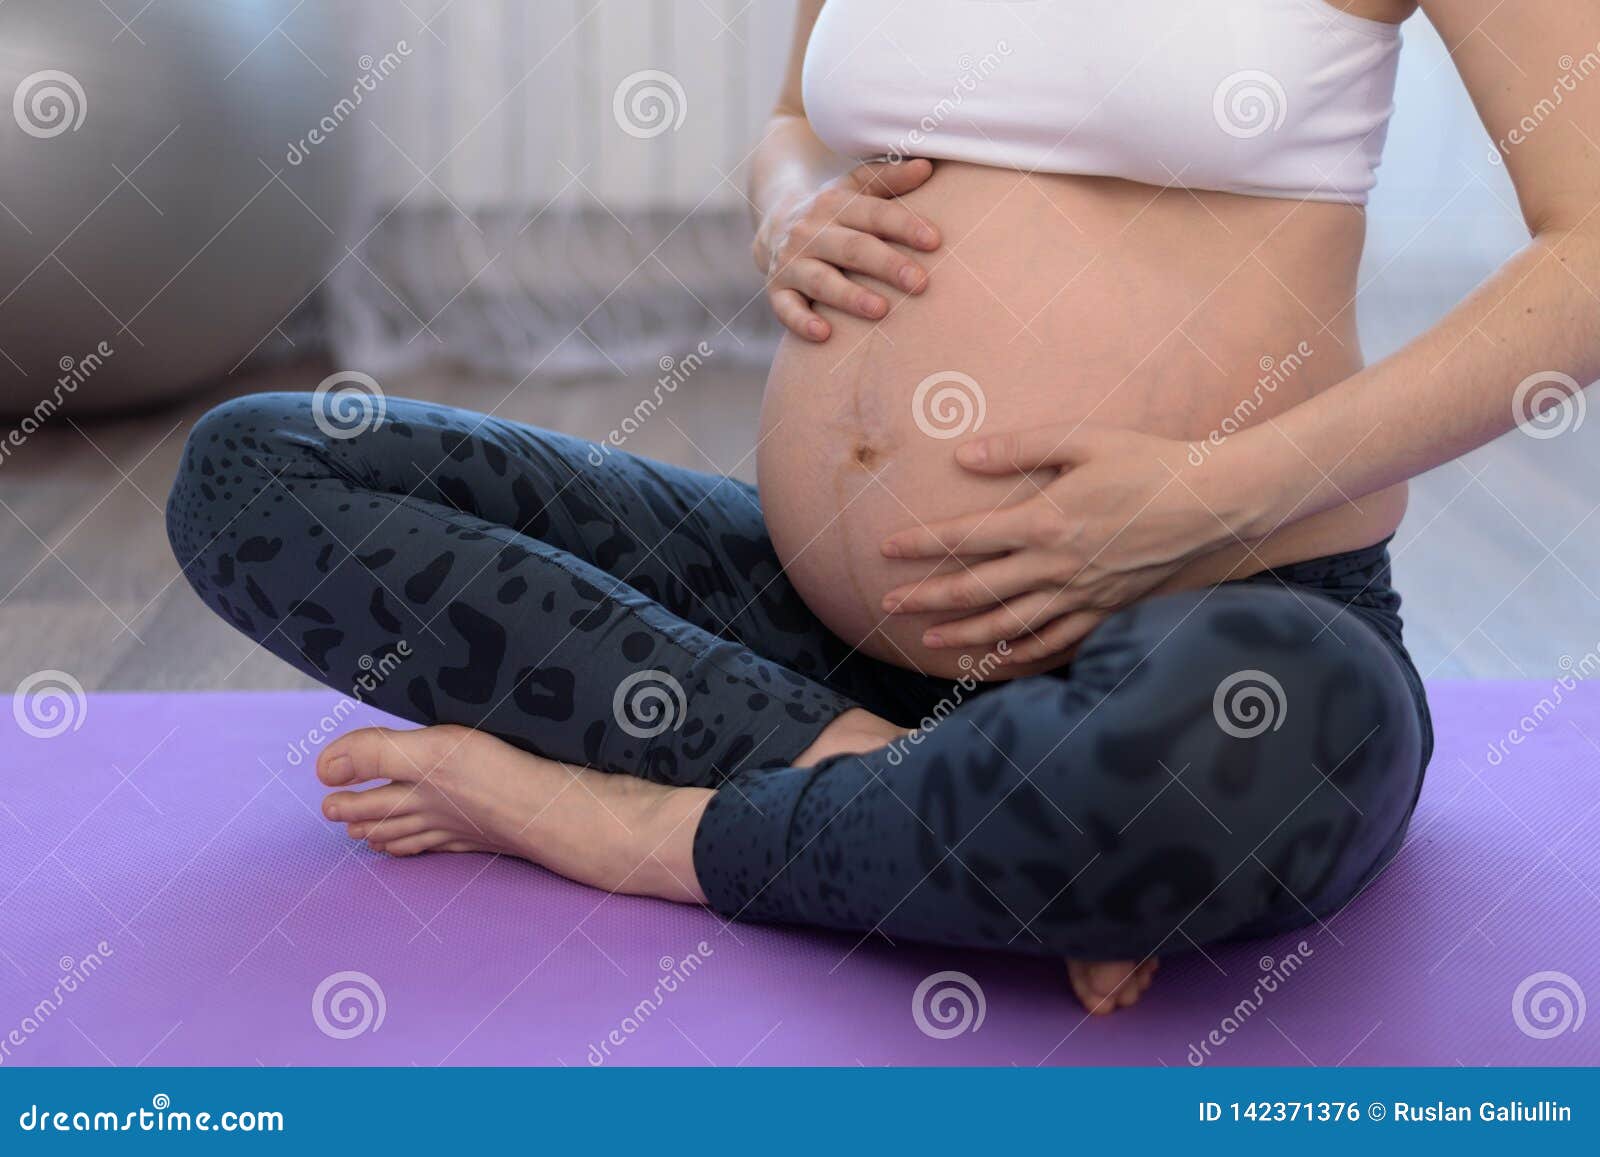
[790, 162]
[1129, 510]
[1461, 383]
[818, 213]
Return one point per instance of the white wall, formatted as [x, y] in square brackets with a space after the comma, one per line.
[1444, 216]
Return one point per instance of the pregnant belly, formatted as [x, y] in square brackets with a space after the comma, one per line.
[1053, 300]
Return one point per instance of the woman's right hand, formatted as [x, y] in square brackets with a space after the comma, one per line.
[805, 242]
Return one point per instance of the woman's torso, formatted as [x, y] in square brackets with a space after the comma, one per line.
[1061, 299]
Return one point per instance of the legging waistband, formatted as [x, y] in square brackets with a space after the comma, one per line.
[1360, 578]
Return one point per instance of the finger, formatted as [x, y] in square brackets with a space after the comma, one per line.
[973, 587]
[1058, 636]
[982, 532]
[864, 253]
[823, 283]
[1020, 450]
[890, 220]
[890, 178]
[1011, 620]
[797, 315]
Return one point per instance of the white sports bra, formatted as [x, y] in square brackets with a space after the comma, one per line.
[1274, 98]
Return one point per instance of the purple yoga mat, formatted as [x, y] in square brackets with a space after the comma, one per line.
[169, 894]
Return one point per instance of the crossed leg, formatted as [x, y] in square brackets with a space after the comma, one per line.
[619, 684]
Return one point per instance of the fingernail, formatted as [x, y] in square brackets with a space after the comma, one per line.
[330, 811]
[932, 640]
[891, 550]
[875, 305]
[890, 603]
[339, 768]
[908, 278]
[817, 330]
[974, 452]
[926, 236]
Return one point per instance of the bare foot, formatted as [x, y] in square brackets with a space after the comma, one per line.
[1103, 986]
[855, 731]
[453, 789]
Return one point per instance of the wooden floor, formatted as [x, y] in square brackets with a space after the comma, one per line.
[1499, 558]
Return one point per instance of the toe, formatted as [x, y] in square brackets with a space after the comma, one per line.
[1106, 977]
[381, 753]
[375, 803]
[421, 842]
[1094, 1001]
[1103, 986]
[385, 830]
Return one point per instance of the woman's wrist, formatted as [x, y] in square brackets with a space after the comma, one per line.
[1249, 484]
[775, 205]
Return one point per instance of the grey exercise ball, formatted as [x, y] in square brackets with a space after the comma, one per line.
[145, 244]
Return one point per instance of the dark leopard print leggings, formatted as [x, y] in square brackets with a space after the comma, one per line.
[1228, 762]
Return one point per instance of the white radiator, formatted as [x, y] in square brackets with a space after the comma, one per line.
[556, 188]
[515, 101]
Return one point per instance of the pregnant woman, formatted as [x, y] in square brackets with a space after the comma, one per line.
[1062, 621]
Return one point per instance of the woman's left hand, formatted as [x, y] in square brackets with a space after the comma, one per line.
[1125, 512]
